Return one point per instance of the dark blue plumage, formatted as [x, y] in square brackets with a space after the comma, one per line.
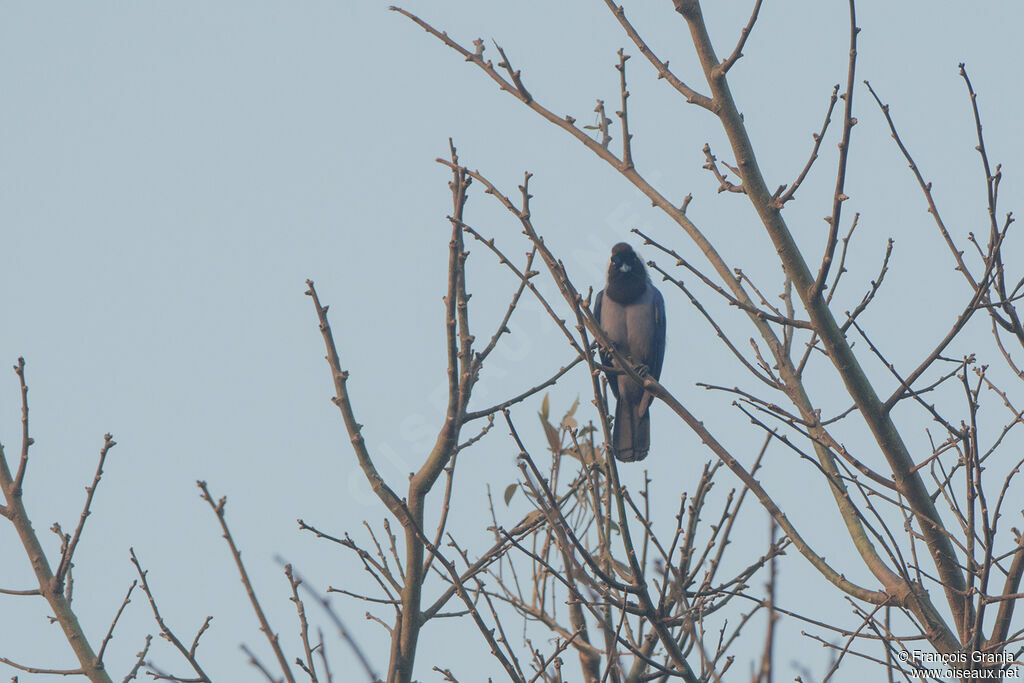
[631, 311]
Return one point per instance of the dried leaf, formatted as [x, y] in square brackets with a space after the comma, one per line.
[554, 440]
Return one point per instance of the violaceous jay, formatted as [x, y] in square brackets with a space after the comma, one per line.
[631, 311]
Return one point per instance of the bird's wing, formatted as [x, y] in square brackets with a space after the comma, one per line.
[658, 334]
[606, 356]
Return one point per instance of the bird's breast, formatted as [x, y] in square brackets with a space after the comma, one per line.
[631, 326]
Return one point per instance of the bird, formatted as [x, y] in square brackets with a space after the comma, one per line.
[631, 311]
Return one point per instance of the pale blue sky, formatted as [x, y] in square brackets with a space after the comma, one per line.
[171, 173]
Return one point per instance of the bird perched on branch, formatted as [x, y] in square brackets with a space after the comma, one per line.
[631, 311]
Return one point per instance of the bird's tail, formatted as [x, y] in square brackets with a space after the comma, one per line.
[632, 430]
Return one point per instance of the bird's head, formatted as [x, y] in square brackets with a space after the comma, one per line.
[624, 260]
[627, 277]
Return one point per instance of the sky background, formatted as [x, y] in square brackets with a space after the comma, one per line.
[171, 173]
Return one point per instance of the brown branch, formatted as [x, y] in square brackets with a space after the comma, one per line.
[50, 587]
[992, 187]
[525, 526]
[341, 399]
[875, 284]
[110, 631]
[842, 259]
[513, 74]
[980, 294]
[926, 188]
[257, 664]
[65, 561]
[479, 435]
[446, 499]
[511, 666]
[322, 651]
[502, 637]
[272, 638]
[744, 34]
[561, 645]
[26, 440]
[374, 568]
[745, 306]
[166, 633]
[38, 670]
[724, 185]
[392, 544]
[489, 412]
[300, 609]
[903, 383]
[767, 656]
[524, 276]
[448, 675]
[140, 660]
[627, 137]
[692, 96]
[838, 197]
[1004, 617]
[781, 198]
[718, 330]
[503, 325]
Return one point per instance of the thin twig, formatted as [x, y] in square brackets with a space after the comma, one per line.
[272, 638]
